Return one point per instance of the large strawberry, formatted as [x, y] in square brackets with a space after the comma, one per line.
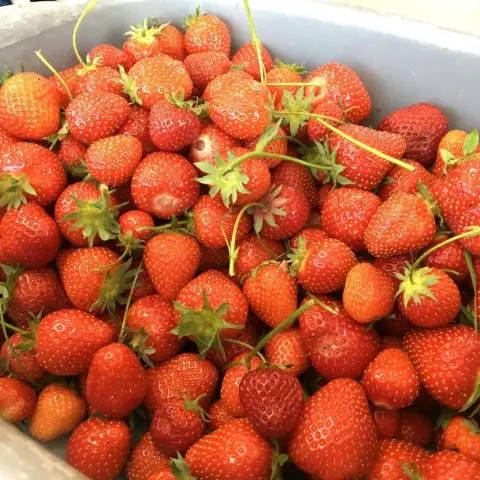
[17, 400]
[335, 436]
[247, 57]
[203, 67]
[449, 465]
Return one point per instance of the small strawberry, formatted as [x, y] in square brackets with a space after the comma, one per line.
[415, 427]
[58, 411]
[277, 145]
[318, 132]
[219, 415]
[448, 465]
[283, 73]
[247, 57]
[171, 42]
[111, 56]
[17, 400]
[203, 67]
[133, 223]
[72, 155]
[468, 442]
[145, 459]
[99, 448]
[311, 236]
[387, 423]
[137, 125]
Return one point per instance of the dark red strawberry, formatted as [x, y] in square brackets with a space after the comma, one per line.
[415, 427]
[387, 422]
[17, 400]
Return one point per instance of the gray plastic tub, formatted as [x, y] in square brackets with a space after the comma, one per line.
[400, 61]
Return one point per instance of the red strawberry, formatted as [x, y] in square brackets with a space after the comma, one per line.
[415, 427]
[134, 221]
[403, 212]
[145, 459]
[112, 160]
[323, 191]
[219, 415]
[206, 33]
[205, 66]
[171, 42]
[246, 56]
[311, 236]
[6, 140]
[448, 465]
[111, 56]
[95, 79]
[393, 266]
[59, 410]
[340, 84]
[319, 444]
[96, 115]
[17, 400]
[99, 448]
[317, 131]
[338, 346]
[31, 172]
[387, 423]
[277, 145]
[468, 441]
[137, 125]
[69, 76]
[29, 236]
[369, 293]
[29, 106]
[423, 125]
[447, 361]
[157, 318]
[171, 260]
[72, 155]
[346, 214]
[393, 454]
[144, 286]
[283, 73]
[365, 170]
[164, 185]
[68, 339]
[272, 400]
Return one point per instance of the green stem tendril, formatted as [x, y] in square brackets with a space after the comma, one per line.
[162, 228]
[246, 345]
[39, 54]
[312, 115]
[256, 43]
[290, 139]
[14, 328]
[85, 12]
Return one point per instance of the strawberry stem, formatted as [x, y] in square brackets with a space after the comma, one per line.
[256, 43]
[39, 54]
[166, 226]
[247, 346]
[85, 12]
[14, 328]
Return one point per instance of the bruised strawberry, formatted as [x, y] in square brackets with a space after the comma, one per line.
[247, 57]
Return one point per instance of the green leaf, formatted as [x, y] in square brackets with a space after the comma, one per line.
[267, 136]
[473, 277]
[471, 143]
[296, 110]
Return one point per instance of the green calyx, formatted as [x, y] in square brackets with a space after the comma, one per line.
[139, 346]
[295, 111]
[95, 217]
[192, 19]
[8, 73]
[294, 67]
[180, 469]
[271, 207]
[13, 190]
[297, 256]
[194, 406]
[470, 146]
[145, 32]
[130, 243]
[424, 193]
[278, 461]
[198, 106]
[7, 286]
[129, 86]
[204, 325]
[61, 134]
[416, 283]
[473, 399]
[78, 169]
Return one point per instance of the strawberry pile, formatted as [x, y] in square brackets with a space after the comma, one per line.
[211, 251]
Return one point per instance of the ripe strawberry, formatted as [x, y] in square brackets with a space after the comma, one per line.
[365, 170]
[452, 429]
[111, 56]
[322, 193]
[206, 33]
[6, 140]
[133, 221]
[176, 425]
[96, 79]
[319, 444]
[96, 115]
[137, 125]
[69, 76]
[272, 400]
[213, 222]
[338, 345]
[72, 155]
[113, 160]
[311, 236]
[68, 339]
[340, 84]
[17, 400]
[152, 78]
[219, 415]
[183, 376]
[164, 185]
[171, 260]
[29, 106]
[171, 42]
[387, 422]
[234, 99]
[423, 125]
[209, 458]
[99, 448]
[205, 66]
[369, 293]
[144, 286]
[277, 145]
[393, 454]
[403, 212]
[415, 427]
[468, 441]
[283, 73]
[393, 266]
[246, 56]
[30, 171]
[448, 465]
[145, 459]
[157, 318]
[58, 411]
[346, 214]
[447, 361]
[316, 131]
[29, 236]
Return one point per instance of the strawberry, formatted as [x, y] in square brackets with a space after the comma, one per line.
[447, 361]
[206, 33]
[393, 454]
[468, 442]
[322, 193]
[234, 99]
[415, 427]
[134, 221]
[403, 212]
[29, 106]
[364, 169]
[219, 415]
[183, 376]
[30, 172]
[319, 444]
[316, 131]
[176, 425]
[286, 349]
[369, 293]
[99, 448]
[271, 293]
[452, 429]
[17, 400]
[448, 465]
[283, 73]
[387, 422]
[137, 125]
[203, 67]
[112, 160]
[153, 78]
[311, 236]
[391, 380]
[393, 266]
[272, 400]
[69, 76]
[157, 318]
[72, 155]
[277, 145]
[111, 56]
[171, 42]
[164, 185]
[144, 286]
[6, 140]
[246, 56]
[96, 115]
[338, 346]
[29, 236]
[94, 79]
[423, 125]
[391, 342]
[58, 411]
[346, 214]
[213, 223]
[216, 258]
[171, 260]
[68, 339]
[116, 381]
[340, 84]
[210, 457]
[145, 459]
